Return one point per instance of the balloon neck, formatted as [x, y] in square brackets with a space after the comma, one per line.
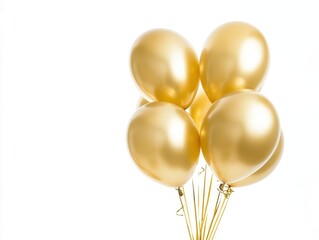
[225, 189]
[180, 192]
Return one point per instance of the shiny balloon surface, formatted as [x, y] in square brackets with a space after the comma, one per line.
[266, 169]
[165, 67]
[239, 134]
[164, 143]
[235, 57]
[199, 108]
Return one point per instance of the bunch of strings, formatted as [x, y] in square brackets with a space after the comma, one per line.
[203, 208]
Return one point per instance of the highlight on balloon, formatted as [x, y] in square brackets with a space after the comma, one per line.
[209, 105]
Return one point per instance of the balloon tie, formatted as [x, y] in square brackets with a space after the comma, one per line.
[199, 225]
[180, 192]
[225, 189]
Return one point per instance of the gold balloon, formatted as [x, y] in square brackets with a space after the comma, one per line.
[239, 134]
[164, 143]
[165, 67]
[141, 102]
[265, 170]
[234, 57]
[199, 109]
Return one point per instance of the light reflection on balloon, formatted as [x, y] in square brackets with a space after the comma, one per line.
[251, 55]
[176, 131]
[259, 119]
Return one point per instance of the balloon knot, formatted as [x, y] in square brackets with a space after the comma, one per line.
[180, 192]
[225, 189]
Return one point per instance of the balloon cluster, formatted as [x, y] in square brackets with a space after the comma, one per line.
[236, 128]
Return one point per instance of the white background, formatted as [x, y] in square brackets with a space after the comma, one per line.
[67, 96]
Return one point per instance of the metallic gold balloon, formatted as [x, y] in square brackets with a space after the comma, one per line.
[265, 170]
[234, 57]
[141, 102]
[164, 143]
[239, 134]
[165, 67]
[199, 108]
